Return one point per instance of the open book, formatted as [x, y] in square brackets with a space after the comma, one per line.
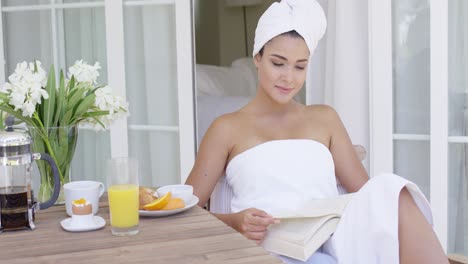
[301, 233]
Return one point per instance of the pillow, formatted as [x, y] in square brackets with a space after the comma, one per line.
[238, 80]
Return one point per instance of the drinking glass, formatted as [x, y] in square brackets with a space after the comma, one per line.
[122, 182]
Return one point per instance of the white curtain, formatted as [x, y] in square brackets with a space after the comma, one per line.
[150, 74]
[458, 126]
[81, 35]
[151, 84]
[152, 91]
[338, 74]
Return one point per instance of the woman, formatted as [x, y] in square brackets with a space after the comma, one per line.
[276, 151]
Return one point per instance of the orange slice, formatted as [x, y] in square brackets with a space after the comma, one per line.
[174, 203]
[158, 203]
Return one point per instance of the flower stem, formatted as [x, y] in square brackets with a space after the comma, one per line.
[45, 137]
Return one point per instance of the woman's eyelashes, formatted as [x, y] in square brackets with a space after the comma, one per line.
[280, 64]
[277, 64]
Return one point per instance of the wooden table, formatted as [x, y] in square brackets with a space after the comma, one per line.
[193, 236]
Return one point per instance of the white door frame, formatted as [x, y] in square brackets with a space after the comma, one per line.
[186, 84]
[439, 117]
[381, 103]
[380, 87]
[116, 71]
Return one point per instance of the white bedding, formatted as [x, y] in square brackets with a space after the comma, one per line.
[223, 90]
[240, 79]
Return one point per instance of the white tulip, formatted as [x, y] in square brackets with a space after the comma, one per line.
[84, 72]
[27, 88]
[17, 99]
[28, 109]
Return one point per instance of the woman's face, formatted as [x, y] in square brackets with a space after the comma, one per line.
[282, 68]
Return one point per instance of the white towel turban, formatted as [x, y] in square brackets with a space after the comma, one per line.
[306, 17]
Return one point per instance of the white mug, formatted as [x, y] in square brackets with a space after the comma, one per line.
[89, 190]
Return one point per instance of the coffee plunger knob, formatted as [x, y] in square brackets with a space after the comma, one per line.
[9, 122]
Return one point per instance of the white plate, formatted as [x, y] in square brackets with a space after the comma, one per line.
[98, 223]
[192, 202]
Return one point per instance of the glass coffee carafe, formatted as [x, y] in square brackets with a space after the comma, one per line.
[17, 205]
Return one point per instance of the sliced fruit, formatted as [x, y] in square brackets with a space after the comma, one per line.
[174, 203]
[158, 203]
[145, 196]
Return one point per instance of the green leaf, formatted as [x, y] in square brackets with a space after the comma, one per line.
[4, 97]
[74, 98]
[95, 113]
[49, 104]
[84, 106]
[60, 100]
[63, 145]
[67, 118]
[93, 90]
[35, 66]
[17, 114]
[71, 83]
[2, 123]
[99, 122]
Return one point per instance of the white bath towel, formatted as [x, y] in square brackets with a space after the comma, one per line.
[278, 176]
[306, 17]
[368, 229]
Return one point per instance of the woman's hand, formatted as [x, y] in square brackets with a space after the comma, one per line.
[252, 223]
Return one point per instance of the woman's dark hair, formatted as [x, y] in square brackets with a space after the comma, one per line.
[292, 34]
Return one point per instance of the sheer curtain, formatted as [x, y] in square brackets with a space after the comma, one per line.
[458, 126]
[152, 90]
[411, 90]
[84, 38]
[80, 34]
[151, 75]
[338, 74]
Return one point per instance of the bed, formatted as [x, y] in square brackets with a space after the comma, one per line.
[222, 90]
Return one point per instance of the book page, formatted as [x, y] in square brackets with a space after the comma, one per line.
[319, 207]
[302, 231]
[299, 238]
[298, 230]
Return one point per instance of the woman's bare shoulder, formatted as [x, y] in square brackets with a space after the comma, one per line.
[224, 126]
[322, 112]
[227, 121]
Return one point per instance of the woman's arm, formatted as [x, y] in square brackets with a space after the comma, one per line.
[348, 168]
[209, 167]
[211, 159]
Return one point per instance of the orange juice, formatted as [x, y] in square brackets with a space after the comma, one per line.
[123, 205]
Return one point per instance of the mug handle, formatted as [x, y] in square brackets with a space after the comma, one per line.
[101, 189]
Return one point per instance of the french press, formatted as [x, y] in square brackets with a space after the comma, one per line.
[17, 205]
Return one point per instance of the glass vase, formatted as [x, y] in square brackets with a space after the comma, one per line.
[60, 144]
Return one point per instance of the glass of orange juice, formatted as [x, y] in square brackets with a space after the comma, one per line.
[122, 182]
